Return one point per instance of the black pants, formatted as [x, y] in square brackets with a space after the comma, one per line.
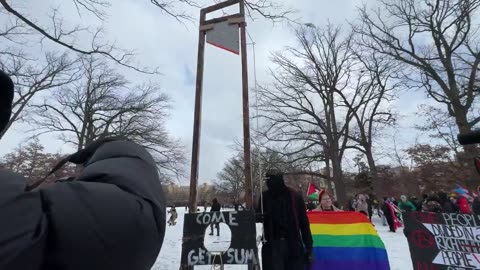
[276, 256]
[390, 221]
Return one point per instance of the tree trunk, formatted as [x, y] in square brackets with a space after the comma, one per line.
[338, 180]
[328, 175]
[470, 151]
[376, 185]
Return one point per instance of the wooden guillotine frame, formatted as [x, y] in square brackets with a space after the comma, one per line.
[204, 27]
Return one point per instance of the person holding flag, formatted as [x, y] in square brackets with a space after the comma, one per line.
[326, 203]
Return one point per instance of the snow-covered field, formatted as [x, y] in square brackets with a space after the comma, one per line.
[169, 257]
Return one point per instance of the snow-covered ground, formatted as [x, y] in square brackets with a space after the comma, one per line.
[169, 257]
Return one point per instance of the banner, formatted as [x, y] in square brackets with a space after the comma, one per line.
[243, 246]
[443, 241]
[346, 241]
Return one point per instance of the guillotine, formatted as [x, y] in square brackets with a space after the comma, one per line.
[222, 31]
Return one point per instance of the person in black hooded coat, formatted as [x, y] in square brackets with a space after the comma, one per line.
[287, 230]
[112, 216]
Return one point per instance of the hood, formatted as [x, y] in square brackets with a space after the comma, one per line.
[6, 99]
[275, 183]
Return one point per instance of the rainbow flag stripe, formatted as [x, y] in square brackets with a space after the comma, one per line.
[346, 241]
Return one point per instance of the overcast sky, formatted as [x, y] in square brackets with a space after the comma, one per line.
[163, 42]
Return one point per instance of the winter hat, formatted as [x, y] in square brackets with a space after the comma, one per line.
[322, 192]
[6, 99]
[403, 197]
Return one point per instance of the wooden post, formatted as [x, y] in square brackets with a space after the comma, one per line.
[246, 112]
[197, 117]
[203, 28]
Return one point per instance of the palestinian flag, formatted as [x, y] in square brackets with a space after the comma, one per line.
[313, 192]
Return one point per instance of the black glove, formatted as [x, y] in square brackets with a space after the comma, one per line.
[309, 256]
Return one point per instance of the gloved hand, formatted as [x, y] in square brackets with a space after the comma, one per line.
[82, 156]
[309, 256]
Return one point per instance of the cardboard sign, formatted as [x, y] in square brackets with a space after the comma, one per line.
[243, 247]
[443, 241]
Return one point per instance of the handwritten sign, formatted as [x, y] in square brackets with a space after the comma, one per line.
[443, 241]
[243, 248]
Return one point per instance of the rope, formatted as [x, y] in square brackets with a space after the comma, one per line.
[260, 172]
[219, 255]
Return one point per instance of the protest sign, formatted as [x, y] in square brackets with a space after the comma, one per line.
[242, 250]
[443, 241]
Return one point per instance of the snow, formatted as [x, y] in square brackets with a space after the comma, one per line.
[169, 257]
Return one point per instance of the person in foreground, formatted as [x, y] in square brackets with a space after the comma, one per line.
[111, 216]
[287, 230]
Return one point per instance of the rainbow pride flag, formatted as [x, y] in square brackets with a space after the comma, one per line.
[346, 241]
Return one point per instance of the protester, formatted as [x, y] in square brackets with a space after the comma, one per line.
[389, 213]
[463, 205]
[476, 202]
[406, 205]
[446, 203]
[432, 204]
[326, 203]
[310, 206]
[362, 205]
[351, 204]
[173, 216]
[287, 230]
[370, 206]
[215, 208]
[420, 204]
[112, 216]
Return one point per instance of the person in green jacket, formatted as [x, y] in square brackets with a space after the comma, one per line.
[406, 205]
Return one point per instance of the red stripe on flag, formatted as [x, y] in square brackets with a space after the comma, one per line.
[337, 217]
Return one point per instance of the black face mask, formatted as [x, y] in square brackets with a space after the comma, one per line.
[276, 184]
[6, 99]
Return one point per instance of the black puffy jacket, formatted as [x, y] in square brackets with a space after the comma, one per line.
[111, 217]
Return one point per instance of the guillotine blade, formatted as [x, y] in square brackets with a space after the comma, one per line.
[224, 35]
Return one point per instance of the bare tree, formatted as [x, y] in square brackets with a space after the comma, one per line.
[301, 109]
[440, 125]
[32, 162]
[438, 42]
[371, 109]
[58, 33]
[32, 79]
[231, 178]
[102, 104]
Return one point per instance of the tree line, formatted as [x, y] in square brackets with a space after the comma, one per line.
[333, 92]
[77, 91]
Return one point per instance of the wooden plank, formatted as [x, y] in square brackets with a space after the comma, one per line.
[197, 119]
[222, 19]
[246, 114]
[220, 6]
[237, 20]
[206, 27]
